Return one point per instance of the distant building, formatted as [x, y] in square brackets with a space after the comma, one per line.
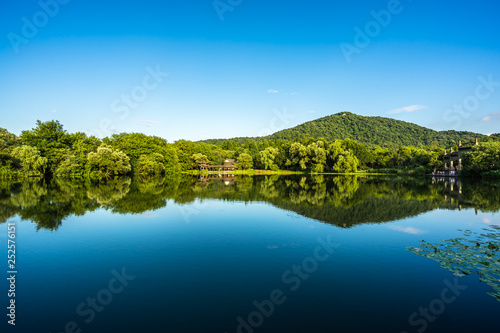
[229, 165]
[453, 160]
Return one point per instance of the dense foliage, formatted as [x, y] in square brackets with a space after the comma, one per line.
[8, 142]
[48, 149]
[371, 131]
[31, 161]
[484, 160]
[108, 161]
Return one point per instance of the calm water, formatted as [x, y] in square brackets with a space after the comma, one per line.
[261, 254]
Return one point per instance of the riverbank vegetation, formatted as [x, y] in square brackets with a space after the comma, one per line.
[483, 161]
[48, 150]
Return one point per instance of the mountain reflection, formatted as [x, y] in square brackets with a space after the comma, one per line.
[343, 201]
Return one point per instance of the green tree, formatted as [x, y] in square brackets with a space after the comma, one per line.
[151, 164]
[108, 161]
[50, 139]
[244, 162]
[341, 160]
[31, 161]
[359, 150]
[298, 156]
[484, 157]
[198, 158]
[171, 162]
[75, 161]
[8, 142]
[70, 166]
[267, 157]
[82, 144]
[317, 155]
[136, 144]
[217, 156]
[382, 158]
[185, 150]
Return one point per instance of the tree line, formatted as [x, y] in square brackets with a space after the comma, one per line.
[48, 149]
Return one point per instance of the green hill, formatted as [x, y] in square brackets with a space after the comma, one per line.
[372, 131]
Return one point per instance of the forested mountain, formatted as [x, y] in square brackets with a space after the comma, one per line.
[371, 131]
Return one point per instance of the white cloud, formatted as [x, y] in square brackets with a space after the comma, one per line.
[311, 111]
[149, 216]
[148, 121]
[487, 220]
[53, 111]
[492, 116]
[272, 91]
[408, 230]
[409, 108]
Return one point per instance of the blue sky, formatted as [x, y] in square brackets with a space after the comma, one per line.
[207, 69]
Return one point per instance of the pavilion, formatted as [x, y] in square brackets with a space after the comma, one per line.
[229, 165]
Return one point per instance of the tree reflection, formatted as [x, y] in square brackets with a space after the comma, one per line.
[344, 201]
[471, 254]
[109, 191]
[7, 190]
[267, 188]
[29, 194]
[143, 196]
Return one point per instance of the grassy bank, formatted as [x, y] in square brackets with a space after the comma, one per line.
[245, 172]
[252, 172]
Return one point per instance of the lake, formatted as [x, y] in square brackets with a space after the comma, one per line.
[253, 254]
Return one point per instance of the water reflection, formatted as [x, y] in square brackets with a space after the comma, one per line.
[342, 201]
